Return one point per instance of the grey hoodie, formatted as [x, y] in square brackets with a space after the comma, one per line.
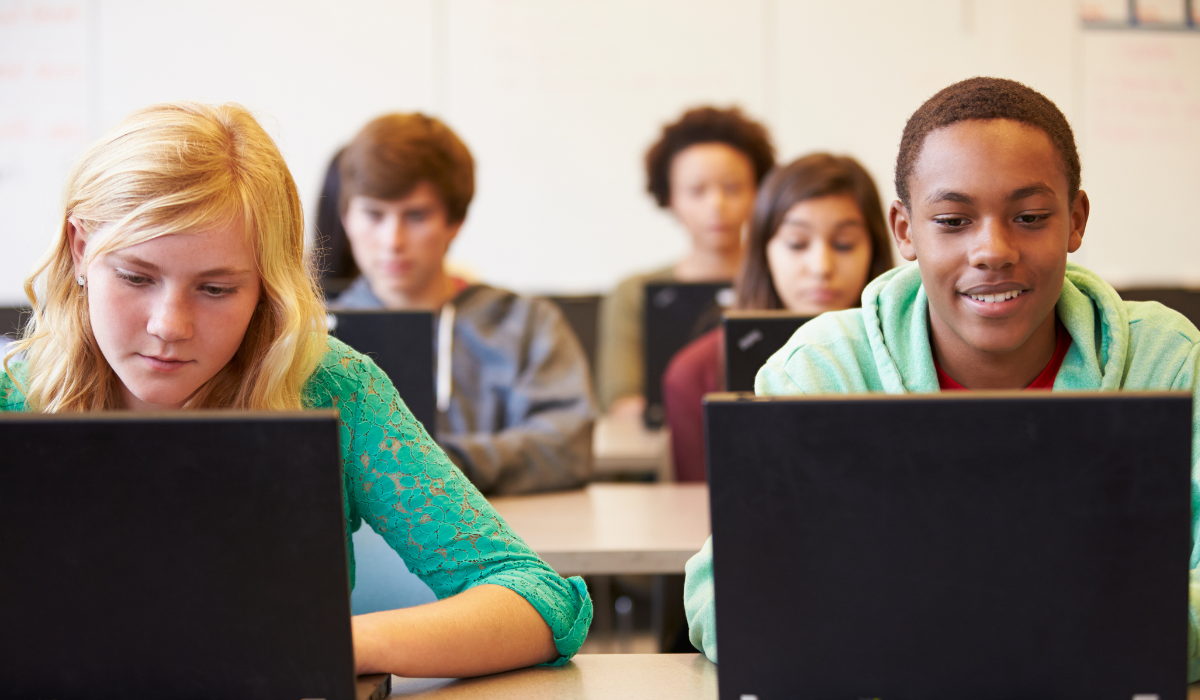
[520, 412]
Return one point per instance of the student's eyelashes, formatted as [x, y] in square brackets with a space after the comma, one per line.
[952, 223]
[215, 291]
[131, 278]
[1032, 219]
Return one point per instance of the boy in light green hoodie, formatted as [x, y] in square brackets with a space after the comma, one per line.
[989, 206]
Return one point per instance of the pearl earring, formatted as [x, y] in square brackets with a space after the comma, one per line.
[80, 280]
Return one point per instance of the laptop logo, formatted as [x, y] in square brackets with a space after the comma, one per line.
[330, 325]
[726, 296]
[750, 339]
[665, 297]
[1146, 696]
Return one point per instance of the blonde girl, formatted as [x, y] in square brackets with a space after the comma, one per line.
[179, 279]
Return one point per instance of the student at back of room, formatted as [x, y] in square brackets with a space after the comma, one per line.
[988, 179]
[516, 415]
[817, 237]
[705, 168]
[179, 280]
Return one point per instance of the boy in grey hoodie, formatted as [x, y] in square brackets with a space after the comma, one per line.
[515, 406]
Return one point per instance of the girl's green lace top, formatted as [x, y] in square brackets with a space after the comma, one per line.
[401, 483]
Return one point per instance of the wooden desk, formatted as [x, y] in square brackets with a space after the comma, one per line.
[612, 528]
[626, 446]
[665, 676]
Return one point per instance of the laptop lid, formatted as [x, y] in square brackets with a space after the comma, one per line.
[401, 343]
[751, 337]
[676, 313]
[1015, 545]
[12, 321]
[190, 554]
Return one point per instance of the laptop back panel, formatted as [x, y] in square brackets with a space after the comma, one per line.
[401, 343]
[12, 320]
[196, 555]
[676, 313]
[1003, 546]
[751, 337]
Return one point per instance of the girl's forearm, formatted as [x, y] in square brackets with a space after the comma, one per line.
[486, 629]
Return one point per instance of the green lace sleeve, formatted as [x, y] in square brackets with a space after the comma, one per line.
[404, 486]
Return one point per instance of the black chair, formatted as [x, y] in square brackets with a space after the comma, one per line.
[582, 312]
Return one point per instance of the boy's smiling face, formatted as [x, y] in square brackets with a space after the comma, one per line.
[990, 223]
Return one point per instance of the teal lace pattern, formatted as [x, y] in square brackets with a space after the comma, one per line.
[402, 484]
[405, 487]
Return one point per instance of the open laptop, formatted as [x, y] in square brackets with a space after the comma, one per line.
[12, 321]
[751, 337]
[990, 546]
[401, 343]
[676, 313]
[190, 554]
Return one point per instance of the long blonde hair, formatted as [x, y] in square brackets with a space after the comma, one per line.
[168, 169]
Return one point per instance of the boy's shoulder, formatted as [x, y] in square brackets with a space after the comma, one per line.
[1162, 343]
[831, 354]
[1150, 321]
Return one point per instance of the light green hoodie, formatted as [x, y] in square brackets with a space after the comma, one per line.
[884, 347]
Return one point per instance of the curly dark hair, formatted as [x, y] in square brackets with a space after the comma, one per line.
[707, 125]
[986, 98]
[815, 175]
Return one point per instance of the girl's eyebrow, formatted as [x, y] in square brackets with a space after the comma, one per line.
[151, 267]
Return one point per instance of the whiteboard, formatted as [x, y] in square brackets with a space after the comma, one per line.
[559, 100]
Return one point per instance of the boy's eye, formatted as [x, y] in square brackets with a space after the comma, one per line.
[1031, 218]
[952, 221]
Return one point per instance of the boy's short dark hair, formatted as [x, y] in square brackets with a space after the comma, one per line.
[707, 125]
[396, 152]
[986, 98]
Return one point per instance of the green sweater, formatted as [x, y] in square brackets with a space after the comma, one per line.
[884, 347]
[401, 483]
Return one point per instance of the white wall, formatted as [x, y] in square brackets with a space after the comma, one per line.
[558, 101]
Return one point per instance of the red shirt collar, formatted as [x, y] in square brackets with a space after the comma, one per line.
[1045, 380]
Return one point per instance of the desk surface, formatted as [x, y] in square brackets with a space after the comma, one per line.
[623, 445]
[666, 676]
[612, 528]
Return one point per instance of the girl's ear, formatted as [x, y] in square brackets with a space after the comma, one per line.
[77, 239]
[901, 222]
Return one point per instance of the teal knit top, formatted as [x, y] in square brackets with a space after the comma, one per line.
[397, 479]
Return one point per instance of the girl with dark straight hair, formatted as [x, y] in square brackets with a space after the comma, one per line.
[817, 237]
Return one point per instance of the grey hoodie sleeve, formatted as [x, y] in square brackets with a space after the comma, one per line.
[522, 410]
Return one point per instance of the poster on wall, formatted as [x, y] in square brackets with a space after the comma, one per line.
[1140, 14]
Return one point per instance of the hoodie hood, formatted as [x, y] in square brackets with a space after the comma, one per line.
[895, 313]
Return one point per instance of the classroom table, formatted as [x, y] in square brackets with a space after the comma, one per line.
[665, 676]
[617, 528]
[623, 445]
